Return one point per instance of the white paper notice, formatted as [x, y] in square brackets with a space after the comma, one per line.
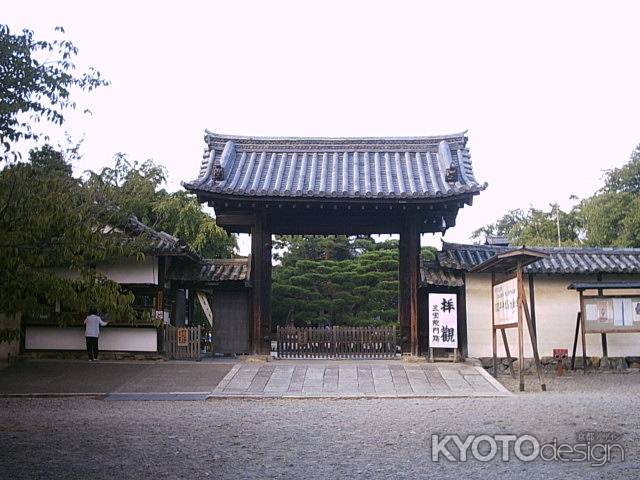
[627, 307]
[592, 312]
[636, 310]
[618, 312]
[505, 302]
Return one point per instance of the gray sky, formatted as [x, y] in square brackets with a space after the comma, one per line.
[547, 90]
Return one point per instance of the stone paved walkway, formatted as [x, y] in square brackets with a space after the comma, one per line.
[344, 379]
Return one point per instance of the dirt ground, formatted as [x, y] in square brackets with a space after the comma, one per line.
[315, 438]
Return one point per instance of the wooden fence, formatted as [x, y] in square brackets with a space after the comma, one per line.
[337, 342]
[181, 343]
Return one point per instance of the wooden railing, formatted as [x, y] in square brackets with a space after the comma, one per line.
[181, 343]
[337, 342]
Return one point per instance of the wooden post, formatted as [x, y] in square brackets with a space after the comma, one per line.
[532, 301]
[462, 321]
[584, 345]
[533, 337]
[493, 329]
[261, 279]
[605, 349]
[508, 352]
[408, 285]
[575, 342]
[520, 329]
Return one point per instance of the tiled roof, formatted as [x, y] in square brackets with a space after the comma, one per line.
[560, 259]
[161, 243]
[432, 274]
[411, 167]
[212, 270]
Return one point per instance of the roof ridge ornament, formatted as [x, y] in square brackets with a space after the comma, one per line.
[446, 162]
[226, 160]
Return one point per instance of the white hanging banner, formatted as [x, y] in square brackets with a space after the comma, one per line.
[443, 320]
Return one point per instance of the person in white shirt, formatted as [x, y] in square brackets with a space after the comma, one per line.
[91, 332]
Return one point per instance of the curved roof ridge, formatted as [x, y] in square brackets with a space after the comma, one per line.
[572, 249]
[235, 165]
[432, 138]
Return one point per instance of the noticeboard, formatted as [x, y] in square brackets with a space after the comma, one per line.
[603, 314]
[183, 337]
[505, 302]
[443, 320]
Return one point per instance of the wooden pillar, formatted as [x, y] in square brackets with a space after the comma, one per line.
[408, 285]
[520, 328]
[261, 279]
[532, 302]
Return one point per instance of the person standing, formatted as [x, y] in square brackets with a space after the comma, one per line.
[91, 333]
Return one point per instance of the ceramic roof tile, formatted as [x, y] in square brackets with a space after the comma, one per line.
[560, 260]
[409, 167]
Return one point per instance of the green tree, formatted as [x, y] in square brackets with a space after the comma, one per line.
[36, 81]
[290, 248]
[611, 217]
[337, 281]
[52, 223]
[137, 188]
[535, 227]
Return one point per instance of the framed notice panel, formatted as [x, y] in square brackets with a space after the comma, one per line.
[505, 302]
[609, 314]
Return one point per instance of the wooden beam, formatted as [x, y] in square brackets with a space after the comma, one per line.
[236, 219]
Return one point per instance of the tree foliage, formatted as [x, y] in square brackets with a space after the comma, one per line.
[137, 188]
[535, 227]
[610, 217]
[337, 281]
[36, 81]
[52, 223]
[57, 229]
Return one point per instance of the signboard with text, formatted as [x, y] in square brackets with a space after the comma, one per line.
[443, 320]
[611, 313]
[183, 337]
[505, 302]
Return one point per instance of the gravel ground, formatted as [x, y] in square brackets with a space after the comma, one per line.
[318, 438]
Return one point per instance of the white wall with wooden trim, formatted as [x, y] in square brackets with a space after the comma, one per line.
[119, 339]
[556, 309]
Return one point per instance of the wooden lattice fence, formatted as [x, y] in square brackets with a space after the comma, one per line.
[181, 343]
[337, 342]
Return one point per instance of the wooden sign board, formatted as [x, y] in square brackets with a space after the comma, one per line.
[611, 314]
[182, 336]
[505, 303]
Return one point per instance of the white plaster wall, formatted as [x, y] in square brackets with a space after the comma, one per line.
[129, 271]
[556, 309]
[72, 338]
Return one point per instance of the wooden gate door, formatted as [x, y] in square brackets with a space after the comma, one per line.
[182, 343]
[231, 322]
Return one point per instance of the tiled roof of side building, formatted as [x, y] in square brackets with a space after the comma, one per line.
[212, 270]
[409, 167]
[161, 243]
[432, 274]
[560, 260]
